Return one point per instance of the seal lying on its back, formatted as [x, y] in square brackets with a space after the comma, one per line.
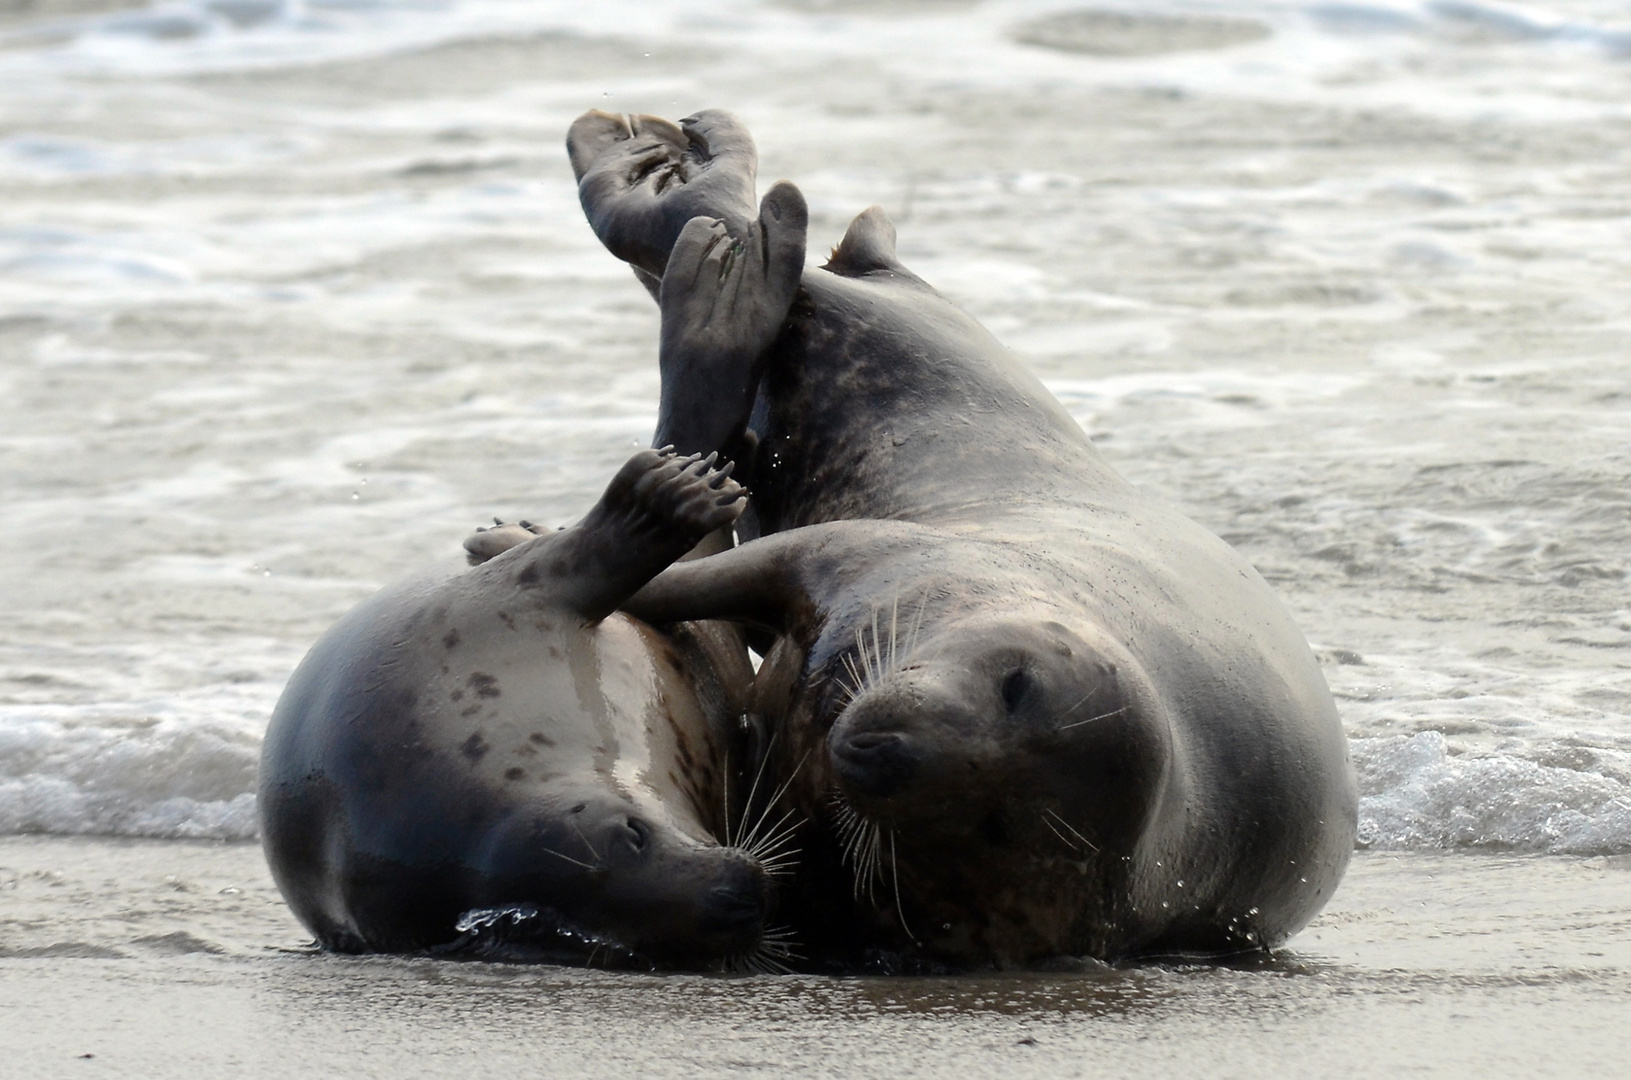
[504, 739]
[1044, 713]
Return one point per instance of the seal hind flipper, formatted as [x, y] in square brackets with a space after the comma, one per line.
[642, 178]
[724, 299]
[868, 247]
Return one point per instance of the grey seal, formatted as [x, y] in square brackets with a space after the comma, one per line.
[503, 750]
[1041, 713]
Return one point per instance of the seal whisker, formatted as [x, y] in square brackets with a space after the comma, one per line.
[777, 855]
[1068, 843]
[748, 840]
[780, 941]
[855, 849]
[894, 616]
[1089, 720]
[1049, 811]
[769, 964]
[778, 836]
[855, 680]
[568, 858]
[747, 805]
[894, 867]
[773, 842]
[573, 822]
[917, 623]
[877, 649]
[782, 866]
[872, 862]
[773, 852]
[864, 657]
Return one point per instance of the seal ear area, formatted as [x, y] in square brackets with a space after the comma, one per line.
[868, 247]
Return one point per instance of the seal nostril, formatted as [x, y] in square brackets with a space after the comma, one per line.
[637, 833]
[876, 763]
[1014, 687]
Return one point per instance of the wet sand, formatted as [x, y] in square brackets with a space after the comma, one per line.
[178, 959]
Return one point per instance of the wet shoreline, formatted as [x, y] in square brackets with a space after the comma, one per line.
[178, 958]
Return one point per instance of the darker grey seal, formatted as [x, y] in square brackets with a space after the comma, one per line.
[1039, 712]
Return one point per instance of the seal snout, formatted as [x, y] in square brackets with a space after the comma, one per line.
[736, 908]
[872, 761]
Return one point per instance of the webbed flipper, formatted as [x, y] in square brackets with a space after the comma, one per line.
[658, 507]
[724, 300]
[641, 178]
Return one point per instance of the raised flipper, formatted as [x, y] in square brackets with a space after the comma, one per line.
[724, 301]
[657, 508]
[868, 247]
[641, 178]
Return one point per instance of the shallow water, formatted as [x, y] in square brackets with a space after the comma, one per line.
[292, 294]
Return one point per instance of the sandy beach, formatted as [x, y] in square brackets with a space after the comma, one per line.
[176, 959]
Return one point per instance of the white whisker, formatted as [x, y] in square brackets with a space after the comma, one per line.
[748, 841]
[894, 866]
[894, 612]
[1048, 812]
[1089, 720]
[585, 839]
[877, 649]
[917, 623]
[725, 789]
[747, 806]
[568, 858]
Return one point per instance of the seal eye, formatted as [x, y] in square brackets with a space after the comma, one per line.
[638, 834]
[1014, 687]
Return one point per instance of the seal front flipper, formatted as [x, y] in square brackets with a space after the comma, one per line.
[778, 582]
[658, 507]
[724, 300]
[641, 178]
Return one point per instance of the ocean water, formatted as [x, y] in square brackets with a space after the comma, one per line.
[294, 293]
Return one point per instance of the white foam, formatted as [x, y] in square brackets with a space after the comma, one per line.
[1415, 793]
[127, 772]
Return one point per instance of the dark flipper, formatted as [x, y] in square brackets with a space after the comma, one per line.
[641, 178]
[724, 300]
[777, 582]
[657, 508]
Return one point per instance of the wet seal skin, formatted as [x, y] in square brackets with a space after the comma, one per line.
[1040, 713]
[501, 764]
